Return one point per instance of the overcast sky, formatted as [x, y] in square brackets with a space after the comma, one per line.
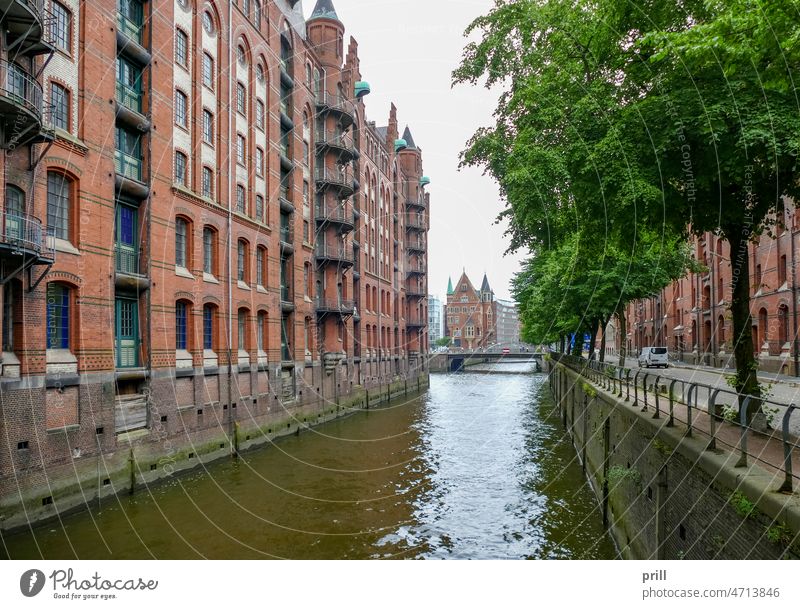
[408, 49]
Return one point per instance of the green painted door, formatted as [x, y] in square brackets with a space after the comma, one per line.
[127, 332]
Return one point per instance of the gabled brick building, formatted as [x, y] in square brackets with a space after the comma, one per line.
[470, 315]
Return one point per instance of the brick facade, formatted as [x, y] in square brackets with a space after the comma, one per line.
[692, 318]
[229, 239]
[470, 315]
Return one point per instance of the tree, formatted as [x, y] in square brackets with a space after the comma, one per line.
[620, 116]
[444, 341]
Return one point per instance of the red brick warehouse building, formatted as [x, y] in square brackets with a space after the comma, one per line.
[204, 240]
[692, 317]
[470, 315]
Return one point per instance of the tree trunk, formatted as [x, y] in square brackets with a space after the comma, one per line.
[603, 324]
[561, 343]
[746, 364]
[623, 334]
[577, 344]
[593, 337]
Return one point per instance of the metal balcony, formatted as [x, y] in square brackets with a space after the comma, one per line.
[330, 103]
[416, 246]
[129, 108]
[21, 110]
[415, 292]
[335, 306]
[340, 216]
[415, 323]
[128, 272]
[416, 203]
[287, 238]
[415, 224]
[415, 269]
[339, 180]
[334, 254]
[338, 143]
[23, 241]
[30, 26]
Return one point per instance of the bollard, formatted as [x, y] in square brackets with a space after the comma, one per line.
[786, 487]
[671, 421]
[657, 414]
[628, 384]
[742, 462]
[644, 391]
[712, 400]
[692, 387]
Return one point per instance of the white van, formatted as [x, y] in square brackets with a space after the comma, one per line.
[653, 356]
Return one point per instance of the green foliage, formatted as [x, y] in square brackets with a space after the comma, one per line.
[743, 506]
[617, 474]
[444, 341]
[780, 533]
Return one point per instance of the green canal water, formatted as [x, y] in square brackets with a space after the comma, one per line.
[476, 467]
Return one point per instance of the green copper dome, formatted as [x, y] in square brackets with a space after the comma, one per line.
[424, 181]
[324, 9]
[400, 145]
[361, 89]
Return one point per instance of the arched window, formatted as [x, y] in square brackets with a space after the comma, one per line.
[242, 270]
[59, 205]
[182, 235]
[783, 324]
[208, 23]
[261, 331]
[209, 250]
[209, 327]
[243, 335]
[181, 325]
[208, 183]
[58, 316]
[762, 325]
[261, 266]
[257, 13]
[12, 314]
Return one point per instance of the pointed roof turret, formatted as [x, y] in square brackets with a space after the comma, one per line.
[324, 9]
[407, 137]
[449, 286]
[485, 284]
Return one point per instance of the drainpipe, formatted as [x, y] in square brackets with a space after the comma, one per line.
[229, 317]
[794, 303]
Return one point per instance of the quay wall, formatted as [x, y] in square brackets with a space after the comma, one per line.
[664, 495]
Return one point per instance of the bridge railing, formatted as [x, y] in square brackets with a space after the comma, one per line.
[716, 413]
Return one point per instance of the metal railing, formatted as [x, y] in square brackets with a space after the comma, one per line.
[335, 138]
[23, 231]
[287, 233]
[416, 202]
[335, 305]
[417, 245]
[415, 322]
[334, 101]
[331, 212]
[716, 413]
[129, 97]
[286, 293]
[129, 28]
[412, 222]
[335, 176]
[20, 87]
[127, 260]
[334, 252]
[128, 165]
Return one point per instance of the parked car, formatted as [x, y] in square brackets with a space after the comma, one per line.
[653, 356]
[506, 350]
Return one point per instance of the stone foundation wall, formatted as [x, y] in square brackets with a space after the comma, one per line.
[192, 419]
[664, 495]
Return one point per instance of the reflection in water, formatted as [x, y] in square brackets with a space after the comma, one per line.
[477, 467]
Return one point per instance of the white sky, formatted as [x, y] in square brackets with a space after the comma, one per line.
[408, 49]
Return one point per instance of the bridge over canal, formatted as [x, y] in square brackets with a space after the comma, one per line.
[458, 360]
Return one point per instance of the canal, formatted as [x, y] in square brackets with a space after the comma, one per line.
[476, 467]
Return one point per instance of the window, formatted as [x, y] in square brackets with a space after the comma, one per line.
[59, 205]
[261, 266]
[242, 326]
[260, 207]
[180, 325]
[208, 250]
[241, 99]
[181, 106]
[260, 73]
[241, 56]
[257, 13]
[208, 183]
[782, 270]
[208, 23]
[259, 162]
[208, 326]
[241, 261]
[208, 127]
[62, 27]
[208, 71]
[57, 316]
[240, 149]
[181, 242]
[260, 114]
[262, 327]
[240, 199]
[59, 99]
[181, 48]
[180, 168]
